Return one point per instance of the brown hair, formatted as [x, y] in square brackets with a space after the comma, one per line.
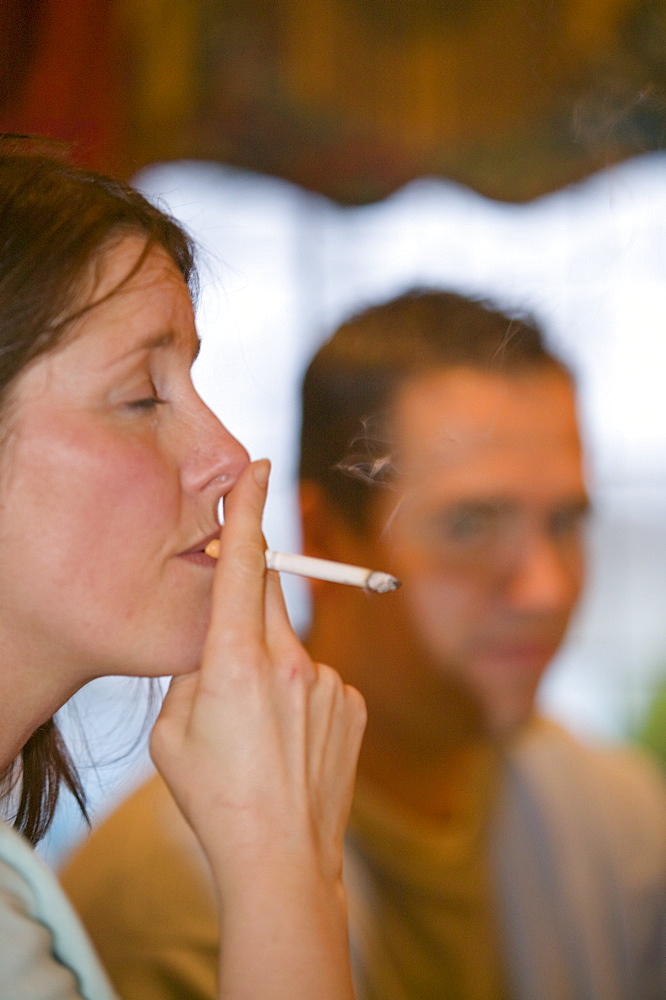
[56, 222]
[351, 382]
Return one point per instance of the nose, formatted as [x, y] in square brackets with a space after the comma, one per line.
[544, 579]
[213, 458]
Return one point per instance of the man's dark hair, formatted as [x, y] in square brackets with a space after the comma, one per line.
[351, 382]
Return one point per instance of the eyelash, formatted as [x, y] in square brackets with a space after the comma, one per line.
[147, 403]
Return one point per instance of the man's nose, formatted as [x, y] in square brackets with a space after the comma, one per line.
[543, 577]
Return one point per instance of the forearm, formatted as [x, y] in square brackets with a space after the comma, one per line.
[286, 939]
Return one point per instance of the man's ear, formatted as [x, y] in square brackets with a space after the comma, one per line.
[320, 530]
[318, 518]
[326, 534]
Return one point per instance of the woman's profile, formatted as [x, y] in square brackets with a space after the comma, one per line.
[112, 471]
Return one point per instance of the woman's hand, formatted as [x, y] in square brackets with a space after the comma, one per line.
[259, 748]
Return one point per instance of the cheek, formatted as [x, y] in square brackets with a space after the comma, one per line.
[442, 607]
[445, 611]
[89, 487]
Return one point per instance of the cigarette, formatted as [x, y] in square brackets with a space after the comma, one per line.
[322, 569]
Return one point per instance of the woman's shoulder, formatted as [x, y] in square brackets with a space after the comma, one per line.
[43, 949]
[22, 872]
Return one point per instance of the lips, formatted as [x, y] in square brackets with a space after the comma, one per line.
[198, 548]
[522, 655]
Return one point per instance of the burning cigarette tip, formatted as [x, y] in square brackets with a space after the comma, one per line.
[382, 583]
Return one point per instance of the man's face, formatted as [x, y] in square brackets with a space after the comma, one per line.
[483, 524]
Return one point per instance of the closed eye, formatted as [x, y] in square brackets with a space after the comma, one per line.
[147, 403]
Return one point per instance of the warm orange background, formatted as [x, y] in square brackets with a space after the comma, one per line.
[349, 97]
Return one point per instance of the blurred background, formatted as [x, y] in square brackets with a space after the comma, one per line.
[329, 153]
[351, 98]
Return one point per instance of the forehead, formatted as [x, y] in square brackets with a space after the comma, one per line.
[131, 294]
[474, 431]
[129, 319]
[128, 269]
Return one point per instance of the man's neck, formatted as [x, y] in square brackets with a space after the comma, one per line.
[433, 783]
[425, 735]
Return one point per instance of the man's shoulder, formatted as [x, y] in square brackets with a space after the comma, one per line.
[579, 852]
[613, 791]
[545, 747]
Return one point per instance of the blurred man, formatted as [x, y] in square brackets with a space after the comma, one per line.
[490, 855]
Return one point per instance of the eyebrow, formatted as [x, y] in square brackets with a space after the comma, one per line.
[581, 503]
[161, 340]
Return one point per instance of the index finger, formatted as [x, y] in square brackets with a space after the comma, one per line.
[239, 584]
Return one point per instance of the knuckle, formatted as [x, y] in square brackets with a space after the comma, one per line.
[357, 706]
[297, 667]
[328, 676]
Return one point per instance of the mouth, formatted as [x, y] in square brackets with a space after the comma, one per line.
[524, 655]
[197, 554]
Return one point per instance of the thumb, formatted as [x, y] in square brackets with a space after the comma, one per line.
[173, 720]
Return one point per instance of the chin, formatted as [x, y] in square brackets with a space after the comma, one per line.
[184, 658]
[180, 647]
[188, 667]
[508, 716]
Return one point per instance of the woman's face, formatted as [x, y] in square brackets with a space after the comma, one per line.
[110, 479]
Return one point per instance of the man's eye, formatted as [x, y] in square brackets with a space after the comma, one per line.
[568, 522]
[467, 525]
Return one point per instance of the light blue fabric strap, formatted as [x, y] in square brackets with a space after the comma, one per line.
[44, 951]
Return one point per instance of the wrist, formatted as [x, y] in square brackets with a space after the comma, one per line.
[295, 918]
[293, 868]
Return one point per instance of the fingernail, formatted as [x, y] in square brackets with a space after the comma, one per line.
[261, 471]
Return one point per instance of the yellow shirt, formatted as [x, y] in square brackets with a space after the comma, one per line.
[422, 918]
